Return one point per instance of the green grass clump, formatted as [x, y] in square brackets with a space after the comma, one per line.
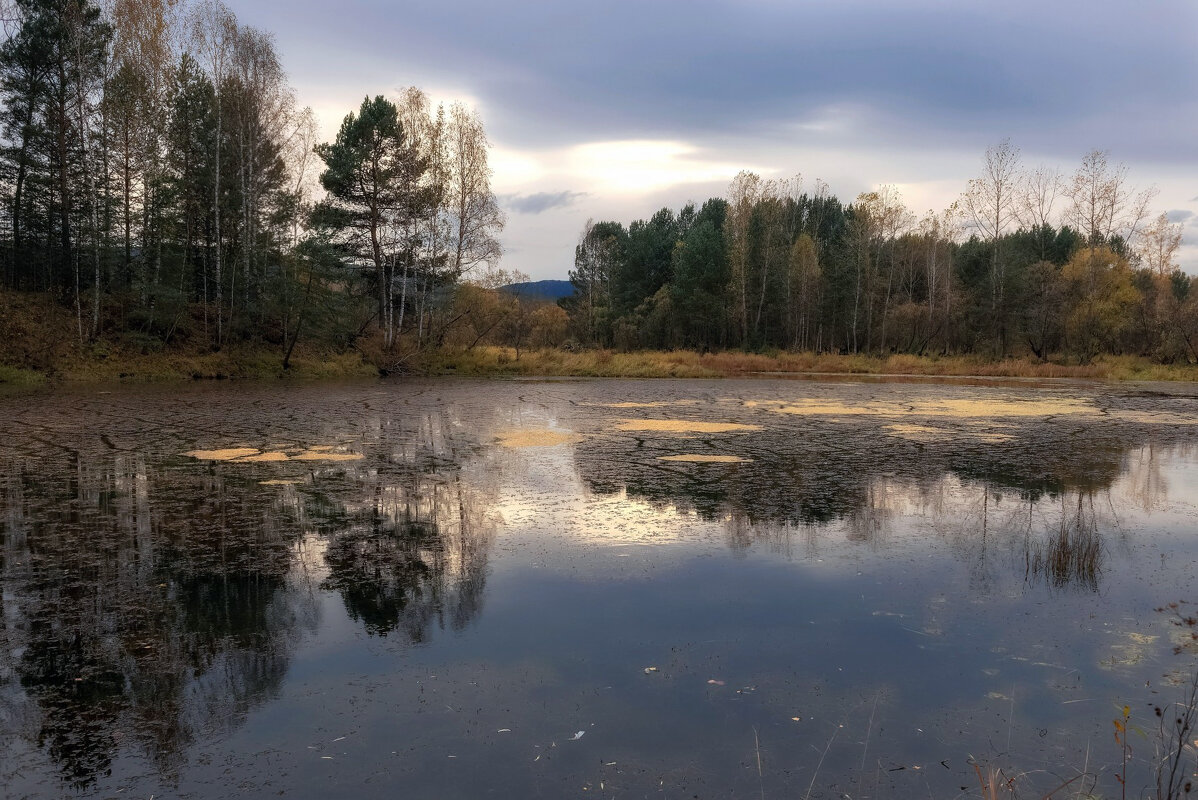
[15, 376]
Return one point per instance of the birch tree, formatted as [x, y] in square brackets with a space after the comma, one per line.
[213, 30]
[989, 204]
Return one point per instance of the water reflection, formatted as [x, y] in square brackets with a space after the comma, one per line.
[415, 559]
[1036, 495]
[150, 600]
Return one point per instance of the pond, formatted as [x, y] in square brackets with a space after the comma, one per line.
[591, 588]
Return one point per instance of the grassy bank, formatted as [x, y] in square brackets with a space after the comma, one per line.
[684, 364]
[39, 342]
[99, 363]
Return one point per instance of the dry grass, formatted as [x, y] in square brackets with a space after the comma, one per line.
[688, 364]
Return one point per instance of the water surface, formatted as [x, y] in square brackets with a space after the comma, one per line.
[451, 588]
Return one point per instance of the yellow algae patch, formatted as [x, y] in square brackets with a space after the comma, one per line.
[923, 433]
[319, 448]
[274, 456]
[534, 437]
[323, 455]
[917, 433]
[835, 408]
[972, 408]
[656, 404]
[280, 482]
[223, 455]
[1154, 417]
[683, 426]
[698, 458]
[1131, 651]
[251, 455]
[954, 408]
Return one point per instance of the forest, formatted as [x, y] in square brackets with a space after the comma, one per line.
[164, 189]
[162, 183]
[1028, 262]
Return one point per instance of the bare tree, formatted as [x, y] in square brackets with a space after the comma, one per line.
[1158, 246]
[743, 195]
[144, 50]
[1102, 204]
[213, 31]
[989, 205]
[476, 215]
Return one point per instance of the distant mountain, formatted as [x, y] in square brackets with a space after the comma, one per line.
[550, 290]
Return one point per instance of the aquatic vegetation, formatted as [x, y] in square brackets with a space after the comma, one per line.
[1073, 554]
[251, 455]
[534, 437]
[952, 408]
[264, 457]
[325, 455]
[228, 454]
[924, 433]
[683, 426]
[653, 404]
[700, 458]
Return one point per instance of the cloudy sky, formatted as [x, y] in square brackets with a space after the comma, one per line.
[610, 110]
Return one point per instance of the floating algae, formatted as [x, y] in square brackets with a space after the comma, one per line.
[261, 457]
[699, 458]
[918, 433]
[322, 454]
[633, 404]
[227, 454]
[1153, 417]
[970, 408]
[923, 433]
[252, 455]
[954, 408]
[534, 437]
[683, 426]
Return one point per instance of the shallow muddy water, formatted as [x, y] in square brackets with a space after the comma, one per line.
[444, 588]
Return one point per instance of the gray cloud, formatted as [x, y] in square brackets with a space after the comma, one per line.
[918, 85]
[540, 201]
[549, 73]
[1179, 215]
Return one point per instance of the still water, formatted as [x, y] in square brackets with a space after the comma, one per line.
[450, 588]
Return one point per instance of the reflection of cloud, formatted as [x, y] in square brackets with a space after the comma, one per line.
[540, 201]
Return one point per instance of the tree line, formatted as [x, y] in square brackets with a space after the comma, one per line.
[1026, 262]
[160, 178]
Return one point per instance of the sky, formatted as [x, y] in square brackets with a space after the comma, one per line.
[614, 109]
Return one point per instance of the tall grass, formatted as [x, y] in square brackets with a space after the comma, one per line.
[689, 364]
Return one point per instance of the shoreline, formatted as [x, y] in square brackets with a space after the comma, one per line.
[249, 363]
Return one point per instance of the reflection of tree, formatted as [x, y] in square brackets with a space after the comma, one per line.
[147, 608]
[830, 471]
[857, 477]
[1072, 552]
[415, 558]
[148, 600]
